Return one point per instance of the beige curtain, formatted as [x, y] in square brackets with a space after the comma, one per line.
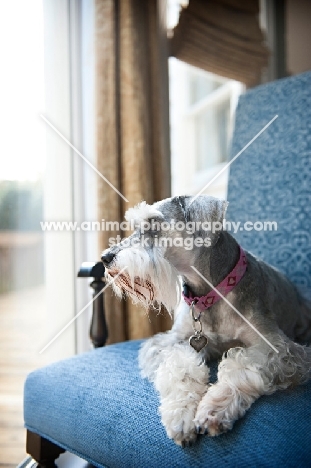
[223, 37]
[132, 130]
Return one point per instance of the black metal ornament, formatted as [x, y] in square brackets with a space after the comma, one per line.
[197, 341]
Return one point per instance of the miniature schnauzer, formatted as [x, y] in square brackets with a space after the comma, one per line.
[232, 307]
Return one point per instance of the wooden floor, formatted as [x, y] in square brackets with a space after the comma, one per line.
[22, 317]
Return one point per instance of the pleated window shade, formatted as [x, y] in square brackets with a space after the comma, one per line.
[222, 37]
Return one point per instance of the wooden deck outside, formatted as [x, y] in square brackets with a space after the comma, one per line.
[22, 316]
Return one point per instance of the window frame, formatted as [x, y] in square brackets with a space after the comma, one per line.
[186, 179]
[70, 191]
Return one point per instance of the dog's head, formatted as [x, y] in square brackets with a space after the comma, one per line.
[168, 237]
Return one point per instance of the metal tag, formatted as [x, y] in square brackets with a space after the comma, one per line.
[198, 342]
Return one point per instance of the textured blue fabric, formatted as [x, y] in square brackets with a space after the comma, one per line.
[271, 180]
[97, 405]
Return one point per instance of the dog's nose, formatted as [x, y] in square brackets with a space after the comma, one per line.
[107, 258]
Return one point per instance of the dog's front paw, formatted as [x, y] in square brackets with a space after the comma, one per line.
[217, 411]
[211, 423]
[181, 380]
[177, 419]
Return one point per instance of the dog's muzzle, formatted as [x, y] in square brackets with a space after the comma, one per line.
[138, 289]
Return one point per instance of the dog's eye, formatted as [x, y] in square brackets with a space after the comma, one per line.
[153, 233]
[155, 227]
[150, 233]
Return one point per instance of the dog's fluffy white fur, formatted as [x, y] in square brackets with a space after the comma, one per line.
[249, 368]
[166, 286]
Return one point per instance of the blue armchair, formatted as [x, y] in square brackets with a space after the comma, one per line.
[97, 406]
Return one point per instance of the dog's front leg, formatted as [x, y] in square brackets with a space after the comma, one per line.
[244, 375]
[181, 377]
[181, 381]
[241, 381]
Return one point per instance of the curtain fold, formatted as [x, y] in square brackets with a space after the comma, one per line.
[223, 37]
[132, 131]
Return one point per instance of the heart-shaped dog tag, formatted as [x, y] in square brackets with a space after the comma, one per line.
[198, 342]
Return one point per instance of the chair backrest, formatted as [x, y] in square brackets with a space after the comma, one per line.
[271, 179]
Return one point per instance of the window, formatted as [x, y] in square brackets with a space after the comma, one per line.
[47, 68]
[202, 110]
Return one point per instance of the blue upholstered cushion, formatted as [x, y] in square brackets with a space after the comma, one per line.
[97, 406]
[271, 179]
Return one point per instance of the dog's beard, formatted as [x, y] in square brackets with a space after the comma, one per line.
[137, 289]
[148, 278]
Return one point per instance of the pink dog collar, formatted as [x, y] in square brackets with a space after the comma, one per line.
[226, 285]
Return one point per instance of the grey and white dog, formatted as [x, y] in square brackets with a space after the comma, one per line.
[258, 348]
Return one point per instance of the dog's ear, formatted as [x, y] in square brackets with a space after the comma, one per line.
[208, 209]
[183, 201]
